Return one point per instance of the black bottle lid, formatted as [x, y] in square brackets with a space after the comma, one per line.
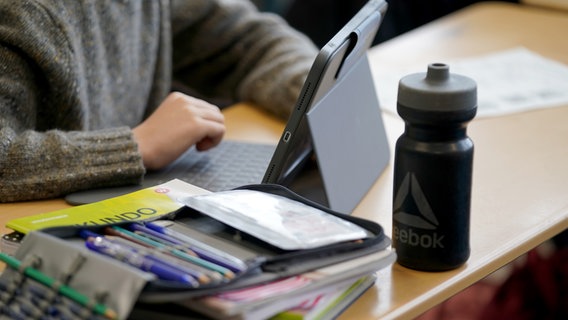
[437, 96]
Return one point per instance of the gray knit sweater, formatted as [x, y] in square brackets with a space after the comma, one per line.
[77, 75]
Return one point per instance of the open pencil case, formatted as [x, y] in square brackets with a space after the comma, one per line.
[256, 234]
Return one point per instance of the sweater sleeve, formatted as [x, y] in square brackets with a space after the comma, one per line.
[38, 165]
[40, 159]
[226, 48]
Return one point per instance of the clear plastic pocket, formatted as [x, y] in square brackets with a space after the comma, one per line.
[276, 220]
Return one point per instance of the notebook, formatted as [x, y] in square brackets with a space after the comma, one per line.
[334, 144]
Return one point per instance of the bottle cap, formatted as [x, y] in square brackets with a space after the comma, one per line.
[437, 96]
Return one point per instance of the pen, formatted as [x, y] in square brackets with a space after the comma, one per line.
[140, 261]
[204, 276]
[201, 249]
[159, 237]
[178, 253]
[159, 232]
[62, 289]
[154, 245]
[116, 233]
[168, 252]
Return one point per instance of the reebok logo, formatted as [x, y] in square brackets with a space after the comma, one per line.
[426, 220]
[410, 186]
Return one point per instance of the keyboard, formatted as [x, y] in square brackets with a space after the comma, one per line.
[229, 165]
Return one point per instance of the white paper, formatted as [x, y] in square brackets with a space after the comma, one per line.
[508, 81]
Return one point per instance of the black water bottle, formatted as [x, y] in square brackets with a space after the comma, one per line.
[433, 169]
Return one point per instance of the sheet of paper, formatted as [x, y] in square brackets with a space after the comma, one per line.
[508, 81]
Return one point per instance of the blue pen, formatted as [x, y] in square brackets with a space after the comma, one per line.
[178, 253]
[206, 252]
[203, 275]
[175, 242]
[160, 233]
[140, 261]
[196, 272]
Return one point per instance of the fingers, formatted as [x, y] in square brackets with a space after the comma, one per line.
[208, 119]
[198, 107]
[177, 124]
[215, 134]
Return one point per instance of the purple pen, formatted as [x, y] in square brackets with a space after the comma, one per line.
[169, 235]
[140, 261]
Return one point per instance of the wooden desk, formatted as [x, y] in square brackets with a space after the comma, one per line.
[520, 182]
[520, 178]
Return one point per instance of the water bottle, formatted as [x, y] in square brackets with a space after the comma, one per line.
[433, 169]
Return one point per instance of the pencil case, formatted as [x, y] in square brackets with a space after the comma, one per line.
[219, 228]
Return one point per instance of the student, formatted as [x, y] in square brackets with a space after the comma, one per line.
[85, 85]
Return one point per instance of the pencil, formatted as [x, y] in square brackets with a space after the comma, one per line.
[62, 289]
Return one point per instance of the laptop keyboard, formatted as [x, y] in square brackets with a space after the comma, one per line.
[229, 165]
